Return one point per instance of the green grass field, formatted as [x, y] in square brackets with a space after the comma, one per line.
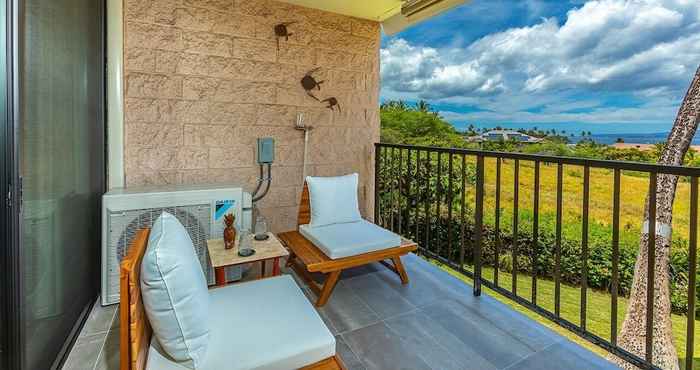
[633, 191]
[597, 315]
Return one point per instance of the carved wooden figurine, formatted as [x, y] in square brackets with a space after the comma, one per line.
[229, 231]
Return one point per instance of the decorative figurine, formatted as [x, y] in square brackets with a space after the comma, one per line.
[308, 82]
[229, 231]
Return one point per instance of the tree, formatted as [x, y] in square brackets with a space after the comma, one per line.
[633, 334]
[394, 105]
[423, 106]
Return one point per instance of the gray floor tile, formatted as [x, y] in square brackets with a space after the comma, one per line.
[481, 336]
[109, 356]
[379, 348]
[417, 331]
[115, 321]
[99, 320]
[563, 355]
[346, 311]
[379, 296]
[360, 271]
[423, 287]
[85, 351]
[437, 345]
[349, 359]
[528, 331]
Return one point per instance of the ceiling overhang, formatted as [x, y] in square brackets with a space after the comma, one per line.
[395, 15]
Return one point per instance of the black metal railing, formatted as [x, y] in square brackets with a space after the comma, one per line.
[423, 193]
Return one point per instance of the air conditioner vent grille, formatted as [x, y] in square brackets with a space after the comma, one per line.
[123, 226]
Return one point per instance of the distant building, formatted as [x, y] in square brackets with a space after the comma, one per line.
[504, 135]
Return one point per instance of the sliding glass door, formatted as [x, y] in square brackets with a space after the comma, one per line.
[6, 214]
[60, 166]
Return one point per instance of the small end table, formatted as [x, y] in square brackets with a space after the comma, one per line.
[270, 249]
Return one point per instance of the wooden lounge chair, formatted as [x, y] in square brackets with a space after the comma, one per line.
[135, 330]
[306, 258]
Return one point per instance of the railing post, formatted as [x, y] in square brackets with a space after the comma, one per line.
[692, 269]
[478, 223]
[377, 154]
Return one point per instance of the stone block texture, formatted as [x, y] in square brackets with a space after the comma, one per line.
[205, 78]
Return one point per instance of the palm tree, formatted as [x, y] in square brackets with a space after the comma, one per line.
[395, 105]
[423, 106]
[633, 334]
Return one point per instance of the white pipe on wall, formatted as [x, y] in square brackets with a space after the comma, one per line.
[115, 95]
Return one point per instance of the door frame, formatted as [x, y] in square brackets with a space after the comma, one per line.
[11, 356]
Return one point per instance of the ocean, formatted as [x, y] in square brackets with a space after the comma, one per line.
[652, 138]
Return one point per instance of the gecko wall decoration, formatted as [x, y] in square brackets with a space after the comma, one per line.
[332, 103]
[308, 82]
[281, 30]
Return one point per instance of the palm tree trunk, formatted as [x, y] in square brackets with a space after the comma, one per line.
[633, 334]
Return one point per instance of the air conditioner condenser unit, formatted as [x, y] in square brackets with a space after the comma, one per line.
[199, 208]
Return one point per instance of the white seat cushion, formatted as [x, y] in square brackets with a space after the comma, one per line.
[174, 292]
[333, 200]
[350, 239]
[266, 324]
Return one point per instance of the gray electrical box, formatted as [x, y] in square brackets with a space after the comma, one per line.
[266, 150]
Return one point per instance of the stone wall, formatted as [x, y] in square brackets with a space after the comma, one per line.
[205, 78]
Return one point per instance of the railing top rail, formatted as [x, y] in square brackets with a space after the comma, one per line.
[596, 163]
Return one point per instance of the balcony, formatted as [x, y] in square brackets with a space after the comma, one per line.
[435, 322]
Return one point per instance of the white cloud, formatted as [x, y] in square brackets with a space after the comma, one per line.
[645, 48]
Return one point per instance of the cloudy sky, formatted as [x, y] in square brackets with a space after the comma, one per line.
[609, 66]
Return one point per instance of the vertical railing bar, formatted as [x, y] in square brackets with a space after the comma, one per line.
[392, 194]
[438, 221]
[409, 179]
[462, 211]
[651, 261]
[399, 179]
[584, 244]
[516, 181]
[417, 195]
[478, 224]
[497, 221]
[449, 207]
[557, 241]
[692, 270]
[399, 189]
[615, 256]
[377, 182]
[535, 231]
[427, 199]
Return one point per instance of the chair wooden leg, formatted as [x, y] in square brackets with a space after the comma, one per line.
[400, 269]
[328, 287]
[290, 259]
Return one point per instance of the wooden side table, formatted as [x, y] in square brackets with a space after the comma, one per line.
[265, 250]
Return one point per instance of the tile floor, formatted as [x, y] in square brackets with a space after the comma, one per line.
[434, 323]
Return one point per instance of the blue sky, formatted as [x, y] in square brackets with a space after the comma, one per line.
[606, 66]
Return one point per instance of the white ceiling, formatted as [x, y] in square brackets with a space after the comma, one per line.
[386, 11]
[377, 10]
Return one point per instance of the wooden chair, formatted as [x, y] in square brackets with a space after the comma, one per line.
[305, 258]
[135, 331]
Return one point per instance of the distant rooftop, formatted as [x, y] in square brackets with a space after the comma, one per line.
[505, 135]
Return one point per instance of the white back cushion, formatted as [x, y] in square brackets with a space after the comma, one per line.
[333, 200]
[174, 292]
